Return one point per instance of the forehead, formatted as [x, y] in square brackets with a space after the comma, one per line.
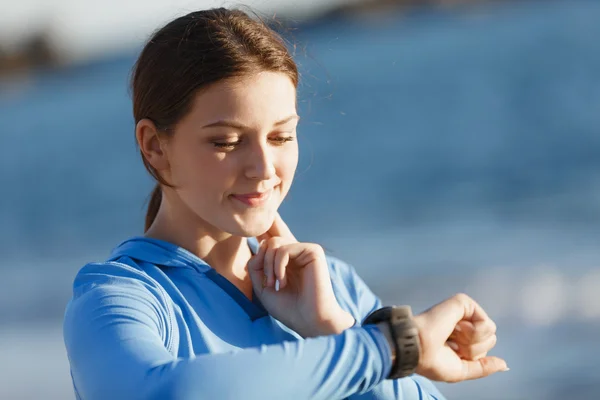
[255, 100]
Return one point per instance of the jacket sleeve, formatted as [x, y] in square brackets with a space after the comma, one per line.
[116, 332]
[364, 301]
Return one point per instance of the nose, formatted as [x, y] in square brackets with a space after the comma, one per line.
[260, 164]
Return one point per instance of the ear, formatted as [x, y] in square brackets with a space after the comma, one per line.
[150, 144]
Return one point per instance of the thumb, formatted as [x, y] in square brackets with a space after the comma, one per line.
[265, 236]
[280, 229]
[483, 367]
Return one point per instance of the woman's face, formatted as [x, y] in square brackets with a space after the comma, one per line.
[232, 159]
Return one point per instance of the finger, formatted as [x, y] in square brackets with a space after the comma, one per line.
[272, 245]
[467, 332]
[280, 263]
[278, 229]
[477, 350]
[445, 316]
[480, 350]
[264, 237]
[482, 367]
[304, 253]
[268, 266]
[476, 314]
[458, 308]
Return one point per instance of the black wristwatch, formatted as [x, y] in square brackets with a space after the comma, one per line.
[405, 335]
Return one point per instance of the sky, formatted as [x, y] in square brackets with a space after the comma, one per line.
[83, 28]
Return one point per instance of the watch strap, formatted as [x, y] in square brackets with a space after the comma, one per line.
[406, 337]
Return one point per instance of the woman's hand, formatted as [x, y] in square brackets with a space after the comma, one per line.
[455, 338]
[291, 280]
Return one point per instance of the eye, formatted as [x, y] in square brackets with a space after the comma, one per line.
[280, 140]
[227, 145]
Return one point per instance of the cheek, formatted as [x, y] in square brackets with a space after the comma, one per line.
[288, 165]
[196, 168]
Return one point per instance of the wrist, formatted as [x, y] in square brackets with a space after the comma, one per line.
[422, 368]
[335, 324]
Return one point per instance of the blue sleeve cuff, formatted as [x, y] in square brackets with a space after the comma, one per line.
[383, 346]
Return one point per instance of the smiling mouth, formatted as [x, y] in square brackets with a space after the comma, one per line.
[253, 199]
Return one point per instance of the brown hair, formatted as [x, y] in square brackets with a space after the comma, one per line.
[192, 52]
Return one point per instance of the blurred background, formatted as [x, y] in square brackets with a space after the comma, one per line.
[446, 146]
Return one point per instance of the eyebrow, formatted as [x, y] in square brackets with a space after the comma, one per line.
[237, 125]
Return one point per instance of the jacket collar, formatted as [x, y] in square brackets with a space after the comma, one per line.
[160, 252]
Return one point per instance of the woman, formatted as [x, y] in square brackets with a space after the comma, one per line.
[218, 299]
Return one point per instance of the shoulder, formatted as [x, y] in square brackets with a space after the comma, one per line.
[123, 274]
[115, 293]
[115, 289]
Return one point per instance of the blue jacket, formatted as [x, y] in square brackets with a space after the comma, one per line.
[156, 322]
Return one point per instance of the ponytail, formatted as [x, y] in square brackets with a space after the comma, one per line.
[153, 205]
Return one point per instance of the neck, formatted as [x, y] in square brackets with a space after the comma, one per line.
[226, 253]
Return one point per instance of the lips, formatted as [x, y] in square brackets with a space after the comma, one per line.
[253, 199]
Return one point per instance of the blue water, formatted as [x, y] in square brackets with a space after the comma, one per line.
[440, 152]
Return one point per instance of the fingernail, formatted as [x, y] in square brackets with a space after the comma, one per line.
[264, 282]
[452, 345]
[506, 369]
[277, 285]
[458, 328]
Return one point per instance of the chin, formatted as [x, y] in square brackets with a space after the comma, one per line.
[252, 227]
